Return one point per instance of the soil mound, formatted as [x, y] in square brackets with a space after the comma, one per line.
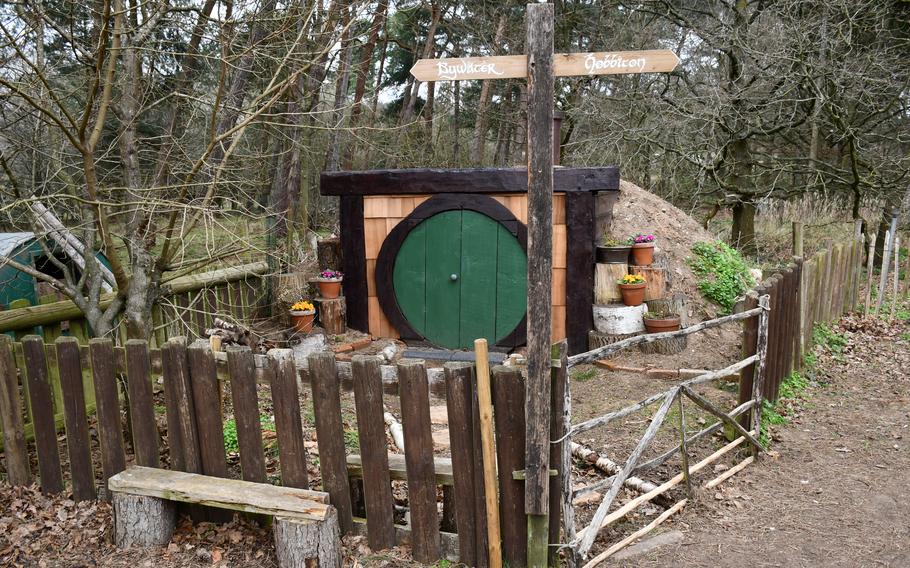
[640, 211]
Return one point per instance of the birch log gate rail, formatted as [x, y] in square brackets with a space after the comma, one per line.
[580, 542]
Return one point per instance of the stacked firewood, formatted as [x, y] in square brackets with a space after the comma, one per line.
[235, 334]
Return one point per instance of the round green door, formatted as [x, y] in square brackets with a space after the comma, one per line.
[459, 276]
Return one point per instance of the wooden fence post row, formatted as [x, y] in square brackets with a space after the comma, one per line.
[803, 294]
[193, 436]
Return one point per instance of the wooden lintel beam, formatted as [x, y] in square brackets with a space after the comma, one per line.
[428, 181]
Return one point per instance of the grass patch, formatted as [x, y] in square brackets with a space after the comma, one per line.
[583, 375]
[723, 275]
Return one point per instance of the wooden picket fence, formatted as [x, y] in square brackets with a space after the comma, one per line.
[196, 384]
[187, 307]
[804, 293]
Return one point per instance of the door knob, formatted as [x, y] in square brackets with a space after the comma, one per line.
[453, 277]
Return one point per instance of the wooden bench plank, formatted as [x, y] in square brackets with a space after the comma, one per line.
[223, 493]
[398, 469]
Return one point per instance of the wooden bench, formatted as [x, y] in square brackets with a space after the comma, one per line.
[305, 525]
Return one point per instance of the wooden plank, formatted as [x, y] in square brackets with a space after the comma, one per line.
[183, 438]
[443, 302]
[477, 275]
[487, 444]
[508, 399]
[51, 332]
[77, 439]
[481, 533]
[245, 400]
[14, 448]
[110, 432]
[749, 348]
[231, 494]
[424, 181]
[371, 433]
[579, 246]
[286, 405]
[42, 404]
[330, 434]
[564, 65]
[418, 440]
[540, 262]
[142, 411]
[398, 469]
[559, 375]
[461, 440]
[206, 391]
[353, 256]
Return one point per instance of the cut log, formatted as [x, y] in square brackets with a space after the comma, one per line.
[617, 319]
[675, 304]
[597, 339]
[140, 520]
[670, 346]
[655, 280]
[607, 465]
[605, 277]
[332, 315]
[328, 253]
[298, 543]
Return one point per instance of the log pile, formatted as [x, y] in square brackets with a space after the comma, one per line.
[227, 333]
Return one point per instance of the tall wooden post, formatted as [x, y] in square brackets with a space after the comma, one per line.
[540, 262]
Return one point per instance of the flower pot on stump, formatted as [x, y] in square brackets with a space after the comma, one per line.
[613, 254]
[303, 320]
[633, 294]
[329, 287]
[643, 254]
[660, 323]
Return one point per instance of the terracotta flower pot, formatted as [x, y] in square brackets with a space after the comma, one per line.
[632, 294]
[660, 325]
[613, 255]
[643, 254]
[303, 321]
[329, 287]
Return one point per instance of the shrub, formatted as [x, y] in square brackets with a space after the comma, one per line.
[722, 274]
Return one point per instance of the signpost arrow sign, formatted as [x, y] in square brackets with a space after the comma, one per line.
[565, 65]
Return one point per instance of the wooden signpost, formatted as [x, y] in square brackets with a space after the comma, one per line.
[540, 67]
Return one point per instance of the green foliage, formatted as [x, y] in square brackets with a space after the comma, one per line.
[351, 440]
[584, 375]
[230, 437]
[231, 445]
[905, 336]
[792, 388]
[723, 275]
[824, 336]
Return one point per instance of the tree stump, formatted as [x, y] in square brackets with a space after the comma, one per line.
[299, 542]
[328, 253]
[675, 304]
[655, 280]
[332, 315]
[670, 346]
[605, 276]
[617, 319]
[597, 339]
[143, 521]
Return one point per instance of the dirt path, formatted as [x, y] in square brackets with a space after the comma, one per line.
[837, 490]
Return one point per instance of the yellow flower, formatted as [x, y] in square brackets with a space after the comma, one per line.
[302, 306]
[632, 279]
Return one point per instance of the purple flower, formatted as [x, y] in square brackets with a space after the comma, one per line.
[329, 273]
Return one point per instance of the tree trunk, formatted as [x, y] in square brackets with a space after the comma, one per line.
[743, 233]
[333, 155]
[482, 120]
[429, 47]
[366, 59]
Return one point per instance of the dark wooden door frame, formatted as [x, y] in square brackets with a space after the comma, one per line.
[385, 262]
[578, 184]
